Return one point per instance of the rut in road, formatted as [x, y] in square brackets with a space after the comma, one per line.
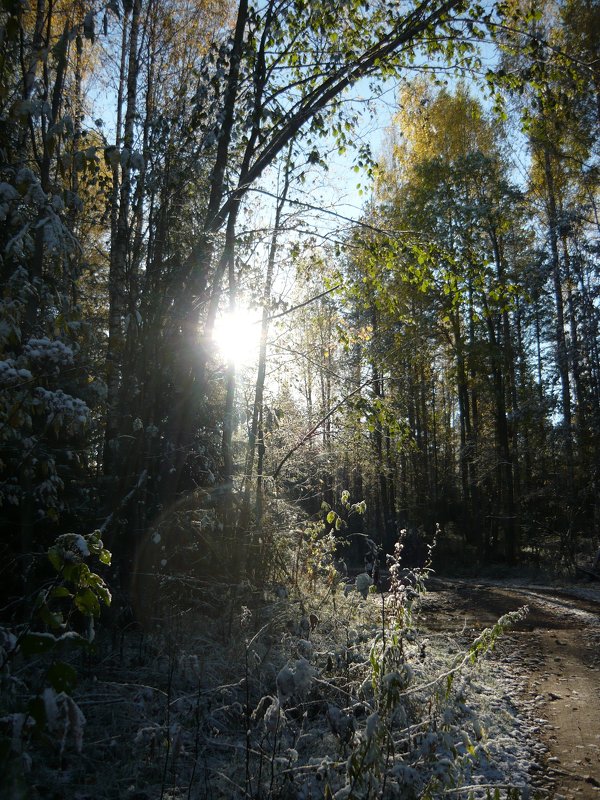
[555, 656]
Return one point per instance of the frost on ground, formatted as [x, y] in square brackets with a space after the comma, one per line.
[552, 660]
[287, 694]
[308, 686]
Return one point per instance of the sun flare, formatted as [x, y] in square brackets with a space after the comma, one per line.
[236, 336]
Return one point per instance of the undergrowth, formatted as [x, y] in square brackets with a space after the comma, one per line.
[313, 686]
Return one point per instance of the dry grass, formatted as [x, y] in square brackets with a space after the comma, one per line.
[299, 689]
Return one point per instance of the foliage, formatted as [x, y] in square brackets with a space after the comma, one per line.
[454, 375]
[320, 540]
[39, 714]
[118, 245]
[292, 689]
[463, 328]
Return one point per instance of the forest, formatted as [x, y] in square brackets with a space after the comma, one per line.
[300, 304]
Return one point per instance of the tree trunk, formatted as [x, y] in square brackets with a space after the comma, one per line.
[562, 359]
[117, 281]
[502, 364]
[257, 407]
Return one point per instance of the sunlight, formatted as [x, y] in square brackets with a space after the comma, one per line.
[236, 336]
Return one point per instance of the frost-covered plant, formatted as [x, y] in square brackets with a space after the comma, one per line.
[319, 540]
[406, 585]
[36, 683]
[314, 554]
[43, 414]
[311, 695]
[47, 390]
[419, 738]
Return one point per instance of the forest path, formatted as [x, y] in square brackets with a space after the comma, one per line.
[553, 656]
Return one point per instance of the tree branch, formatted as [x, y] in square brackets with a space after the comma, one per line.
[315, 428]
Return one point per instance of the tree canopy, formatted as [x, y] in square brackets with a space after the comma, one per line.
[441, 357]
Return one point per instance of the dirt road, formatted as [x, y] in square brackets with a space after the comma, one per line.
[554, 655]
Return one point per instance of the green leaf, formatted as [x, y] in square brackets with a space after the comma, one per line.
[62, 677]
[105, 557]
[87, 602]
[331, 517]
[34, 644]
[54, 619]
[61, 591]
[99, 588]
[78, 574]
[56, 558]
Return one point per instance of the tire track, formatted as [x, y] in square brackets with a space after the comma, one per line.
[554, 655]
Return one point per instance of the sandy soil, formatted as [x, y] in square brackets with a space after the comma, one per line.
[554, 657]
